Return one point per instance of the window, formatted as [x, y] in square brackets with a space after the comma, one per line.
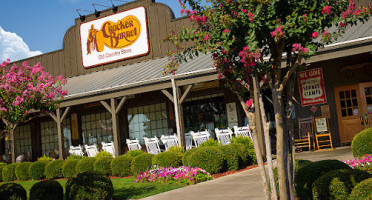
[49, 136]
[96, 128]
[148, 121]
[22, 139]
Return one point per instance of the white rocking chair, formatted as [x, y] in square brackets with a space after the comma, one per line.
[91, 150]
[244, 131]
[109, 147]
[188, 140]
[77, 151]
[133, 144]
[169, 141]
[200, 137]
[224, 136]
[152, 145]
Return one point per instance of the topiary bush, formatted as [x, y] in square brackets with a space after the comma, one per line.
[21, 171]
[103, 154]
[337, 184]
[37, 170]
[231, 157]
[141, 163]
[75, 157]
[167, 159]
[248, 144]
[186, 155]
[45, 158]
[210, 143]
[2, 165]
[103, 165]
[86, 164]
[121, 166]
[300, 164]
[135, 153]
[12, 191]
[362, 191]
[54, 169]
[306, 176]
[48, 189]
[89, 185]
[361, 144]
[210, 159]
[177, 149]
[68, 168]
[9, 172]
[243, 154]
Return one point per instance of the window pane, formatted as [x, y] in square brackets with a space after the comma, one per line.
[353, 93]
[347, 94]
[343, 104]
[367, 91]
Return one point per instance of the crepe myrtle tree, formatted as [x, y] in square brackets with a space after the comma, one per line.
[26, 91]
[262, 43]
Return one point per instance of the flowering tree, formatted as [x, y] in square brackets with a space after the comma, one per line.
[264, 42]
[24, 92]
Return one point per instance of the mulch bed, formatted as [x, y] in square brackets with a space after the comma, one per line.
[218, 175]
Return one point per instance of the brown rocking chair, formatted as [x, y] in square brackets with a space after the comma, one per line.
[306, 132]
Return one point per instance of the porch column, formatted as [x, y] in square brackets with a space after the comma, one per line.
[114, 109]
[59, 119]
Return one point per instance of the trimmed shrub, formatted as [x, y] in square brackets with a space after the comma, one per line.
[306, 176]
[37, 170]
[337, 184]
[186, 155]
[210, 143]
[141, 163]
[2, 165]
[242, 153]
[75, 157]
[45, 158]
[121, 166]
[54, 169]
[167, 159]
[103, 154]
[366, 168]
[231, 156]
[135, 153]
[178, 150]
[68, 168]
[103, 165]
[89, 185]
[48, 189]
[248, 144]
[362, 191]
[21, 171]
[86, 164]
[361, 144]
[12, 191]
[210, 159]
[301, 164]
[9, 172]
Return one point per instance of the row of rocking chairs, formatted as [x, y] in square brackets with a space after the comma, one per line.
[92, 150]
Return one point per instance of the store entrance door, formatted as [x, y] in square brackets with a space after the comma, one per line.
[366, 100]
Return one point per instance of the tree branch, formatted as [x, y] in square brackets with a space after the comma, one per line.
[290, 72]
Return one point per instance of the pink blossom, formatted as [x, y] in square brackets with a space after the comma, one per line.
[278, 33]
[314, 35]
[206, 37]
[226, 30]
[251, 16]
[249, 102]
[326, 10]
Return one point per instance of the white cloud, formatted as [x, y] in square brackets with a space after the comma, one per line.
[13, 47]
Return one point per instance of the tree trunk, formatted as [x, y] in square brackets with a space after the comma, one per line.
[13, 127]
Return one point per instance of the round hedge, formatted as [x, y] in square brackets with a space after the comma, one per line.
[37, 170]
[248, 144]
[54, 169]
[12, 191]
[186, 155]
[2, 165]
[89, 185]
[68, 168]
[103, 165]
[121, 166]
[21, 171]
[301, 164]
[103, 154]
[84, 165]
[243, 154]
[9, 172]
[48, 189]
[361, 144]
[210, 143]
[362, 191]
[167, 159]
[306, 176]
[231, 157]
[141, 163]
[209, 158]
[135, 153]
[337, 184]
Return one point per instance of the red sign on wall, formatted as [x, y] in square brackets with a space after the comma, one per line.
[311, 85]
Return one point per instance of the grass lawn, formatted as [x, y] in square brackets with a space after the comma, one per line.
[125, 188]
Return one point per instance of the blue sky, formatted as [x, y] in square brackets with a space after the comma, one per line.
[31, 27]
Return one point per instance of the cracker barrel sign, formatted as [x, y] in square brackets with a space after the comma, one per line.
[114, 37]
[311, 85]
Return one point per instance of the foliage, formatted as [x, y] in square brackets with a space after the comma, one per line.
[45, 158]
[301, 164]
[85, 165]
[9, 172]
[68, 168]
[362, 162]
[12, 191]
[362, 191]
[121, 165]
[37, 170]
[102, 154]
[306, 176]
[248, 144]
[48, 189]
[167, 159]
[75, 157]
[177, 149]
[21, 171]
[89, 185]
[141, 163]
[361, 144]
[210, 143]
[243, 154]
[181, 174]
[135, 153]
[337, 184]
[187, 154]
[54, 169]
[103, 165]
[209, 158]
[230, 156]
[2, 165]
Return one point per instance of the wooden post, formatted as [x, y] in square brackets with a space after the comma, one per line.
[176, 111]
[59, 119]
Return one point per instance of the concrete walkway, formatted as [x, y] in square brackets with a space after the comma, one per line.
[242, 185]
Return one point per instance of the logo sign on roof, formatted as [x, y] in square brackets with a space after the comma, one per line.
[115, 37]
[311, 85]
